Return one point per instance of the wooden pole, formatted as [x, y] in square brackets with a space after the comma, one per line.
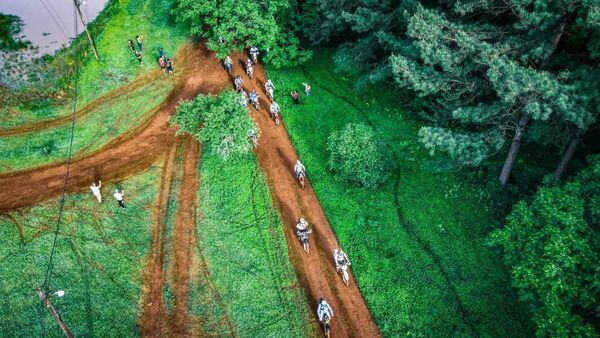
[54, 314]
[86, 29]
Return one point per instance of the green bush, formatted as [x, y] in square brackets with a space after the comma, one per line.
[356, 156]
[221, 123]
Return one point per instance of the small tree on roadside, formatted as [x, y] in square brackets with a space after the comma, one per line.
[358, 157]
[221, 123]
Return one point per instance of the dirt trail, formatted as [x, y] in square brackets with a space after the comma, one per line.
[153, 312]
[125, 155]
[316, 270]
[183, 235]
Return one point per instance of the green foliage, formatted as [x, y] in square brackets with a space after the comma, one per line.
[250, 280]
[100, 254]
[369, 30]
[480, 77]
[10, 28]
[552, 245]
[221, 123]
[358, 157]
[417, 242]
[241, 24]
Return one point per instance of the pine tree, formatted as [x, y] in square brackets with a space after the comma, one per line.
[486, 70]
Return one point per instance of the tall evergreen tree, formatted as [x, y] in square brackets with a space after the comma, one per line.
[487, 71]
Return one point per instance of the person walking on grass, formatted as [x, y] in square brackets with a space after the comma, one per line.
[96, 190]
[306, 89]
[162, 64]
[169, 66]
[295, 96]
[161, 53]
[139, 42]
[119, 197]
[138, 56]
[131, 45]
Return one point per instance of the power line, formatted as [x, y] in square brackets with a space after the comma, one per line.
[48, 275]
[56, 21]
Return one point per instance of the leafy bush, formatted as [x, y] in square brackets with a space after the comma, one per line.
[552, 245]
[358, 157]
[221, 123]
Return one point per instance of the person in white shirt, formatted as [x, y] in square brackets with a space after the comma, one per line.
[119, 196]
[96, 190]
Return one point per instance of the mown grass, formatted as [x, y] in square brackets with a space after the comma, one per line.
[92, 131]
[417, 242]
[119, 21]
[100, 252]
[240, 239]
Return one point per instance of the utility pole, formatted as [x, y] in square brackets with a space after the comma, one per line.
[77, 4]
[54, 314]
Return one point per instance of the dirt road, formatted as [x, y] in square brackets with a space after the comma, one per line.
[316, 270]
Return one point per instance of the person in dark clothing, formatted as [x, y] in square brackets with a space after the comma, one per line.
[169, 66]
[295, 96]
[138, 55]
[132, 45]
[139, 42]
[161, 53]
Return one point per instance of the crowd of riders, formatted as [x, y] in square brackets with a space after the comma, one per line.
[303, 228]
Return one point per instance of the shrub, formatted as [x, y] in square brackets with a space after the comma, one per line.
[221, 123]
[356, 156]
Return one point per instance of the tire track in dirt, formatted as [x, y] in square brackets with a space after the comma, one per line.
[315, 270]
[153, 313]
[106, 99]
[126, 155]
[183, 235]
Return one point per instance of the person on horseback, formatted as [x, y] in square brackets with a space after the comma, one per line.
[324, 309]
[341, 259]
[254, 53]
[299, 169]
[244, 99]
[228, 63]
[269, 88]
[274, 109]
[238, 83]
[249, 67]
[301, 226]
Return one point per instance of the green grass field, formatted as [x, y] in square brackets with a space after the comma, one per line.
[251, 280]
[418, 242]
[119, 21]
[100, 252]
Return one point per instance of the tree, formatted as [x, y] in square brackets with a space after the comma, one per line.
[231, 25]
[10, 28]
[221, 123]
[358, 156]
[485, 70]
[552, 246]
[370, 31]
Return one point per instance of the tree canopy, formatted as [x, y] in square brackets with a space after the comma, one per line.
[221, 123]
[231, 25]
[10, 28]
[552, 246]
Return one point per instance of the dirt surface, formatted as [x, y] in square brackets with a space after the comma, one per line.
[183, 234]
[316, 270]
[153, 313]
[199, 72]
